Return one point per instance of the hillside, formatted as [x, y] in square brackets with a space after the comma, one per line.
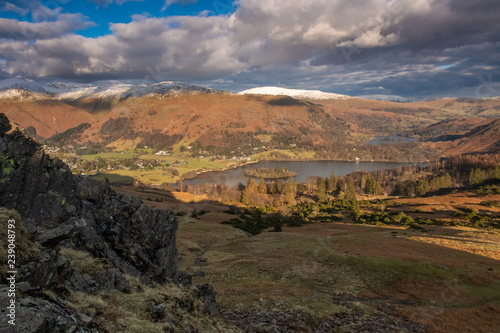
[48, 116]
[174, 115]
[483, 138]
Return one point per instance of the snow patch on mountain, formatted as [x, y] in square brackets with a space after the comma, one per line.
[19, 83]
[296, 93]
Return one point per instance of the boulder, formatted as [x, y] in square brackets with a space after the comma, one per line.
[112, 279]
[54, 236]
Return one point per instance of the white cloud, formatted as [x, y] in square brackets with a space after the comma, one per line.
[10, 7]
[180, 2]
[107, 3]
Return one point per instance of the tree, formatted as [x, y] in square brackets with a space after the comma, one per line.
[181, 187]
[331, 185]
[290, 194]
[356, 211]
[321, 189]
[250, 190]
[422, 187]
[476, 176]
[350, 191]
[495, 173]
[273, 188]
[311, 181]
[164, 186]
[373, 187]
[262, 186]
[245, 197]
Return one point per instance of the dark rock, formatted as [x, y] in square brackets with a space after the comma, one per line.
[206, 293]
[40, 315]
[77, 281]
[158, 312]
[5, 125]
[59, 208]
[45, 315]
[490, 269]
[23, 286]
[139, 240]
[182, 278]
[54, 236]
[48, 272]
[112, 279]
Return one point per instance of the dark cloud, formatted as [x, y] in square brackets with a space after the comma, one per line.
[65, 23]
[340, 46]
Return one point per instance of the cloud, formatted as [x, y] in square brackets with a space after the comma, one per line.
[180, 2]
[157, 48]
[10, 7]
[107, 3]
[333, 45]
[66, 23]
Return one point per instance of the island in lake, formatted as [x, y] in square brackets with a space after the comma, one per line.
[268, 173]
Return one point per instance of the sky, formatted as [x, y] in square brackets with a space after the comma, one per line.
[412, 48]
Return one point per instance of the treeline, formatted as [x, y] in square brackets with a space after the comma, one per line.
[268, 173]
[67, 137]
[407, 181]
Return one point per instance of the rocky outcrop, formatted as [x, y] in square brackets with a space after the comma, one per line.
[39, 313]
[79, 237]
[59, 207]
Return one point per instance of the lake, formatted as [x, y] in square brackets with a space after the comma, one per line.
[303, 169]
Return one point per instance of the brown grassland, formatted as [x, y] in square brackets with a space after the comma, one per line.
[444, 278]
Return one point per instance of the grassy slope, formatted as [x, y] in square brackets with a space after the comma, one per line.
[333, 268]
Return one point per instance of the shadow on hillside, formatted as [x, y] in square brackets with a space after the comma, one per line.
[284, 101]
[115, 179]
[181, 203]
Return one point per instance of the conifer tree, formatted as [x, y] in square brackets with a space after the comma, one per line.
[262, 186]
[321, 189]
[332, 183]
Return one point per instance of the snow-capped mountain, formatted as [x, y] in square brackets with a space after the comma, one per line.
[16, 87]
[296, 93]
[389, 98]
[128, 90]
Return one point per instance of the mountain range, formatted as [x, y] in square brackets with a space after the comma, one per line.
[173, 113]
[15, 87]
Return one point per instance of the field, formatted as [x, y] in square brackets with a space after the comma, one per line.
[182, 163]
[439, 279]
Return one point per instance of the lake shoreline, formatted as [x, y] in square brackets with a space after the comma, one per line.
[297, 160]
[234, 175]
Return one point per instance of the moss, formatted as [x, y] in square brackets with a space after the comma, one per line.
[6, 164]
[49, 278]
